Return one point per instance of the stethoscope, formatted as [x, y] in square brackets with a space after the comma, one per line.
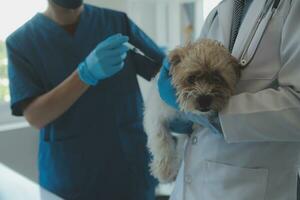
[275, 5]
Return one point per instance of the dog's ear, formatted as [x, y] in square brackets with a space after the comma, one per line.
[175, 56]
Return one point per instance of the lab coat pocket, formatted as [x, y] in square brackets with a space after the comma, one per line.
[227, 182]
[62, 167]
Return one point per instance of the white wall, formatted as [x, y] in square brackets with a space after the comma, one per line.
[18, 151]
[142, 15]
[113, 4]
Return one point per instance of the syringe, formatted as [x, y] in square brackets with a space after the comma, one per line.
[138, 51]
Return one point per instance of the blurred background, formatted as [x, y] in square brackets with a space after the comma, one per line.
[168, 22]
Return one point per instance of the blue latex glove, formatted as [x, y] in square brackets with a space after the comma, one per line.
[105, 60]
[215, 122]
[166, 90]
[212, 122]
[181, 125]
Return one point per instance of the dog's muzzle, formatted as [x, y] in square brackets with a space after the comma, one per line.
[204, 102]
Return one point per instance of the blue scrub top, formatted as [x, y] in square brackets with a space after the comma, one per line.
[96, 149]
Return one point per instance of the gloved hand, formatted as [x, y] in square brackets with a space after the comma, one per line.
[104, 61]
[211, 122]
[181, 125]
[166, 90]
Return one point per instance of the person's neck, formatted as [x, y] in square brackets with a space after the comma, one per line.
[63, 16]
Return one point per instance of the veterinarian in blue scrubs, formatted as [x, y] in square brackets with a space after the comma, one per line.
[73, 78]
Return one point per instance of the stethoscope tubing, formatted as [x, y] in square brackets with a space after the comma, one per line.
[254, 30]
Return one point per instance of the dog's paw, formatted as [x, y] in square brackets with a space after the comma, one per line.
[165, 169]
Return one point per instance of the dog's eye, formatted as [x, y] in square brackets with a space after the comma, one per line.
[191, 79]
[217, 79]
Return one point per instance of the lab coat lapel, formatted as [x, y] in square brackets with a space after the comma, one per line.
[247, 25]
[225, 11]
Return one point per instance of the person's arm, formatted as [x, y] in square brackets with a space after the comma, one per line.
[40, 107]
[106, 60]
[270, 115]
[138, 38]
[46, 108]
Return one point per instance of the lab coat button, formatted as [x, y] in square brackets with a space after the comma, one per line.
[188, 179]
[194, 140]
[243, 62]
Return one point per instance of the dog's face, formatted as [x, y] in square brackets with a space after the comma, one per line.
[204, 74]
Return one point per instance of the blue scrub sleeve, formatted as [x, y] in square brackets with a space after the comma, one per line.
[138, 38]
[24, 83]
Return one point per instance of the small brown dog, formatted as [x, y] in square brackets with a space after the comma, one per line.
[205, 75]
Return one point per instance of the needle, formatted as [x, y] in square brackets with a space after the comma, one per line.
[138, 51]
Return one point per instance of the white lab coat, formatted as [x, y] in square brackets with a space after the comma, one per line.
[258, 155]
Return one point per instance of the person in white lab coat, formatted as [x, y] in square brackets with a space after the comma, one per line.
[253, 151]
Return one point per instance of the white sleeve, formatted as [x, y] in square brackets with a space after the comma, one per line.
[271, 114]
[207, 24]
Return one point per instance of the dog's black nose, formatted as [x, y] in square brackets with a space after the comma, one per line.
[204, 102]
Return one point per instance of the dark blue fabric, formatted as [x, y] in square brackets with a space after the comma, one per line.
[298, 188]
[97, 149]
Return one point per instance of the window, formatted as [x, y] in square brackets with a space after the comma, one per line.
[192, 16]
[13, 13]
[4, 96]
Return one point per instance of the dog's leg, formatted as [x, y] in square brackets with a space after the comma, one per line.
[166, 161]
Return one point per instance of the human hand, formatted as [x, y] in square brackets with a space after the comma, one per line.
[210, 121]
[105, 60]
[166, 90]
